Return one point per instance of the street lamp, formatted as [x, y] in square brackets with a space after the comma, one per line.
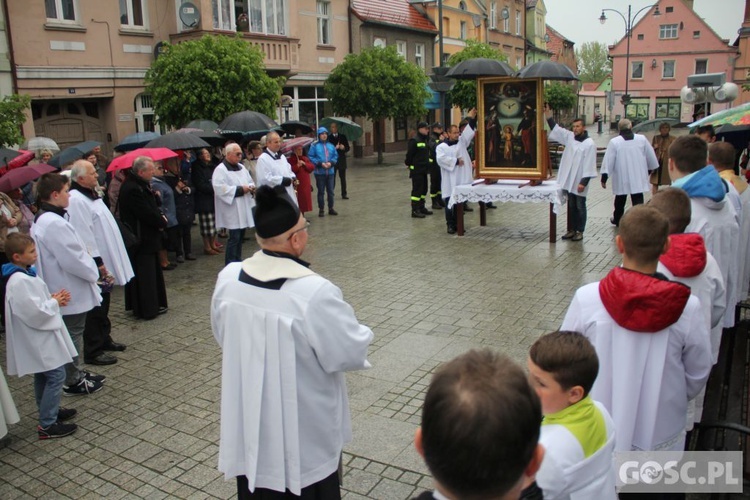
[629, 22]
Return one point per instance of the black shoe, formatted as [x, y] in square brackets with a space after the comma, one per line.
[322, 213]
[83, 388]
[56, 430]
[180, 259]
[64, 414]
[467, 208]
[452, 230]
[490, 205]
[114, 346]
[424, 210]
[169, 267]
[190, 257]
[344, 197]
[436, 205]
[612, 220]
[99, 379]
[332, 212]
[416, 214]
[163, 310]
[101, 360]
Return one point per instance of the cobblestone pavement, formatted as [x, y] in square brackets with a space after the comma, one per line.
[152, 432]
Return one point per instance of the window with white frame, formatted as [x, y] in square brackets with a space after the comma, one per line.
[701, 66]
[636, 71]
[401, 48]
[506, 24]
[518, 22]
[667, 31]
[667, 69]
[518, 62]
[268, 16]
[64, 11]
[419, 54]
[134, 13]
[324, 22]
[223, 14]
[462, 34]
[493, 15]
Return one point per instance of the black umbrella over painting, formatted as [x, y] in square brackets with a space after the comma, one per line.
[293, 126]
[472, 69]
[547, 70]
[247, 125]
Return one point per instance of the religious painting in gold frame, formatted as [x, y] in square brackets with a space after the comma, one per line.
[510, 128]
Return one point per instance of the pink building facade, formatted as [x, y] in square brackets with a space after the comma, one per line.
[664, 50]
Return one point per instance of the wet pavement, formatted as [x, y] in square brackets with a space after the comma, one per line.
[153, 431]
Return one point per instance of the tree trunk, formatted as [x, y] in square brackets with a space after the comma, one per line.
[379, 139]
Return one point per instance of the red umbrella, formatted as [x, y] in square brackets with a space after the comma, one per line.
[16, 178]
[20, 159]
[126, 160]
[288, 147]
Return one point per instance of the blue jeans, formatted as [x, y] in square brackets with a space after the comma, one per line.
[451, 219]
[47, 390]
[76, 325]
[577, 209]
[233, 251]
[325, 183]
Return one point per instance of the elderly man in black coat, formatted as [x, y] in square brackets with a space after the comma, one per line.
[146, 294]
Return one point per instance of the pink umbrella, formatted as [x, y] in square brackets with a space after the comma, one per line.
[126, 160]
[288, 147]
[17, 177]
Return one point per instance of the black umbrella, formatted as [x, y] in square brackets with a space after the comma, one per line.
[293, 126]
[177, 141]
[212, 138]
[472, 69]
[135, 141]
[207, 125]
[7, 154]
[72, 153]
[547, 70]
[247, 125]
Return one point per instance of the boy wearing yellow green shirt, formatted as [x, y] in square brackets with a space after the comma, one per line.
[577, 432]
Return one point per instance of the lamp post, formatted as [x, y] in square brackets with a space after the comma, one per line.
[629, 22]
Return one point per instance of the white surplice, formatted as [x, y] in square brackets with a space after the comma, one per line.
[629, 164]
[97, 227]
[645, 379]
[567, 474]
[578, 160]
[286, 345]
[232, 212]
[447, 156]
[744, 247]
[36, 335]
[8, 411]
[718, 223]
[64, 263]
[270, 171]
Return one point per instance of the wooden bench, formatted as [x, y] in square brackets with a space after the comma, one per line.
[724, 425]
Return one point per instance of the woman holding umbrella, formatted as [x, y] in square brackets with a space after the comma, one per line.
[203, 169]
[302, 168]
[10, 220]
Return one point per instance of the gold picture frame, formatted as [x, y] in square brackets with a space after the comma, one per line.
[510, 129]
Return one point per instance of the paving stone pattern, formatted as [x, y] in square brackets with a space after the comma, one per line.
[153, 431]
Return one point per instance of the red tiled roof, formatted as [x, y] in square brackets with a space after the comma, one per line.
[591, 86]
[393, 12]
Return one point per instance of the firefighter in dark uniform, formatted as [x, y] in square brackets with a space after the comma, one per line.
[419, 158]
[436, 137]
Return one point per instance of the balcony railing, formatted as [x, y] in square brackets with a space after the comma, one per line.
[281, 53]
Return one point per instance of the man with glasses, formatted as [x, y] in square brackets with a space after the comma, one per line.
[233, 200]
[273, 168]
[287, 337]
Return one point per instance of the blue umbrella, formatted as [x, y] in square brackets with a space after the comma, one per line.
[72, 153]
[135, 141]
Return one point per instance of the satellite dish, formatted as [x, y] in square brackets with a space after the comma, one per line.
[190, 15]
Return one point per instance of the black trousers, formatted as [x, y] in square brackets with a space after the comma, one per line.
[418, 187]
[96, 334]
[435, 180]
[325, 489]
[145, 293]
[341, 169]
[620, 200]
[184, 246]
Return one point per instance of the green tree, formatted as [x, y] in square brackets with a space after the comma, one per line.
[377, 83]
[12, 116]
[559, 96]
[593, 62]
[210, 78]
[464, 92]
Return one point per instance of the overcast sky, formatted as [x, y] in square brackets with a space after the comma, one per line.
[578, 20]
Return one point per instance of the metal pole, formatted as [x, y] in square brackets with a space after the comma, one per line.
[628, 26]
[440, 56]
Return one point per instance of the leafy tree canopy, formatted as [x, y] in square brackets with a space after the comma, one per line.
[464, 93]
[377, 83]
[559, 96]
[12, 116]
[593, 63]
[210, 78]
